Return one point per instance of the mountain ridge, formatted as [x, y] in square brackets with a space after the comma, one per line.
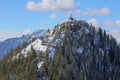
[9, 44]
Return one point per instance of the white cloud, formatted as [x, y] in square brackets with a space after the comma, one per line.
[51, 5]
[53, 16]
[10, 34]
[110, 23]
[115, 23]
[43, 24]
[93, 12]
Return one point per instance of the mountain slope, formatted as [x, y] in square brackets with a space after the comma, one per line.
[84, 54]
[73, 50]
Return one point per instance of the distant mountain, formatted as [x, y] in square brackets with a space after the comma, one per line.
[8, 34]
[73, 50]
[9, 44]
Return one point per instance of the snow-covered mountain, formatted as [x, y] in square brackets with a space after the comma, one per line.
[9, 44]
[73, 47]
[47, 42]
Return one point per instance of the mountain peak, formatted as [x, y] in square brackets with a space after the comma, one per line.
[70, 18]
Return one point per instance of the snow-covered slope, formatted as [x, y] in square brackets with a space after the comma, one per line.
[36, 45]
[7, 45]
[47, 42]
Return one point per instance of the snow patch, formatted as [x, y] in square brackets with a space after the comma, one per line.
[37, 46]
[80, 50]
[86, 30]
[39, 65]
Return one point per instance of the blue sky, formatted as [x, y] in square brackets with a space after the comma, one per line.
[21, 15]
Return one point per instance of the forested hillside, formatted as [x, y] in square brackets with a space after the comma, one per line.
[73, 50]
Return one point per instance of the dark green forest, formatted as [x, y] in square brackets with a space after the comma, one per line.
[83, 54]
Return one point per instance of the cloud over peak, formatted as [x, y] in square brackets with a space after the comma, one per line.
[51, 5]
[53, 16]
[110, 23]
[115, 23]
[93, 12]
